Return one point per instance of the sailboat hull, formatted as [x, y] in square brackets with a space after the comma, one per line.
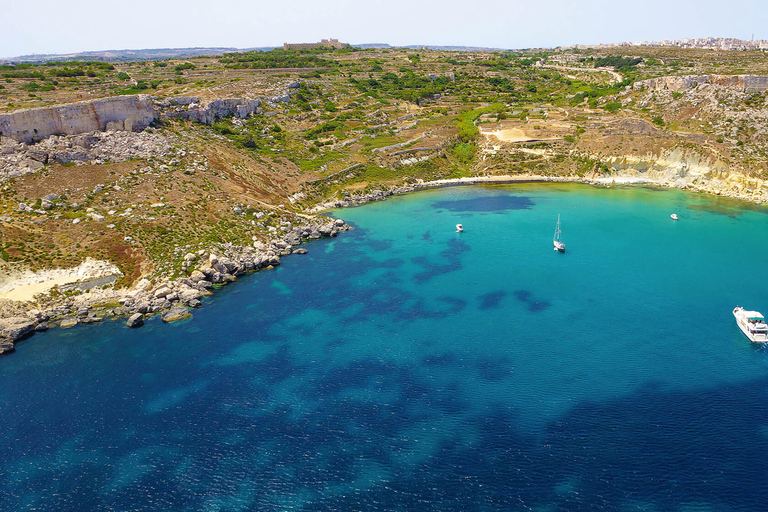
[559, 246]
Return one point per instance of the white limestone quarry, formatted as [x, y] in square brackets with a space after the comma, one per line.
[128, 113]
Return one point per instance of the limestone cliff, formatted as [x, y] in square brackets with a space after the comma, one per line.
[190, 107]
[691, 170]
[741, 83]
[122, 113]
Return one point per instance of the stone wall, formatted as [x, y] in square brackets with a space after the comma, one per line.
[122, 113]
[741, 83]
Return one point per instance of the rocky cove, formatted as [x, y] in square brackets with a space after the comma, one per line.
[116, 130]
[171, 299]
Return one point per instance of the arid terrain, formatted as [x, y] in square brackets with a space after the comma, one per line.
[242, 146]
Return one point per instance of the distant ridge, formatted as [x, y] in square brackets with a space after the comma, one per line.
[446, 48]
[130, 55]
[454, 48]
[181, 53]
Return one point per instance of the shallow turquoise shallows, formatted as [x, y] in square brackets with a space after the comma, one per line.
[404, 367]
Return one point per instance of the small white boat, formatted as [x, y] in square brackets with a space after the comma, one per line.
[674, 216]
[459, 228]
[559, 246]
[752, 324]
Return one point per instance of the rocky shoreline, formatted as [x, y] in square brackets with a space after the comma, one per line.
[173, 299]
[757, 194]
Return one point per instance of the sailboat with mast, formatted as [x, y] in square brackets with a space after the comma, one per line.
[559, 246]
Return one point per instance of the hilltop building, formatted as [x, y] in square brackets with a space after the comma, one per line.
[333, 43]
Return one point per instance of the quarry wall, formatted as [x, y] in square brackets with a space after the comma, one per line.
[742, 83]
[122, 113]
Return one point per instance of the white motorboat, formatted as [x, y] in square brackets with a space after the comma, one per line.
[559, 246]
[752, 324]
[674, 216]
[459, 228]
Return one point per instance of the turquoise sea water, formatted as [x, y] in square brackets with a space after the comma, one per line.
[404, 366]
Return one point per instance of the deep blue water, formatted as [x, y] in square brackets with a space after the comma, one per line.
[404, 366]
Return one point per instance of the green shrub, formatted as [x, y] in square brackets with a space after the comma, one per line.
[222, 129]
[464, 152]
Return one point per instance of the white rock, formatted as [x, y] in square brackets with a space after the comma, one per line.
[162, 292]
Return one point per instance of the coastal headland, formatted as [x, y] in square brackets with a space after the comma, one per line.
[131, 189]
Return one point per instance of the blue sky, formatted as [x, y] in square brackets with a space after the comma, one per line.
[47, 26]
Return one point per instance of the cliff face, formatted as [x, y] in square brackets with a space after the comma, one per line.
[741, 83]
[691, 170]
[190, 107]
[122, 113]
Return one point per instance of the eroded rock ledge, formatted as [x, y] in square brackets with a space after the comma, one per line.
[741, 83]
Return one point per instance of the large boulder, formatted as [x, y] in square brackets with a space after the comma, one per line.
[69, 322]
[196, 276]
[189, 294]
[135, 320]
[162, 292]
[15, 328]
[176, 313]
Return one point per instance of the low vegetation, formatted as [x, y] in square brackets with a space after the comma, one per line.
[357, 120]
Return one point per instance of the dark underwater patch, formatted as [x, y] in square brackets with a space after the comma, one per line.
[533, 304]
[439, 359]
[419, 310]
[494, 369]
[451, 257]
[487, 204]
[491, 300]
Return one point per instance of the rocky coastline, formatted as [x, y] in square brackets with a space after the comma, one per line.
[725, 184]
[172, 300]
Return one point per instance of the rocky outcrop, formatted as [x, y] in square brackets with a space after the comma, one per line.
[689, 170]
[121, 113]
[170, 299]
[176, 313]
[18, 158]
[15, 328]
[135, 320]
[190, 107]
[741, 83]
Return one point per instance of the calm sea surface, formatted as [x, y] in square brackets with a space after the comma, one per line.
[407, 367]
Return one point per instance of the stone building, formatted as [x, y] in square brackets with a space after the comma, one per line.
[333, 43]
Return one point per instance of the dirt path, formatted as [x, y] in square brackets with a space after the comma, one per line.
[616, 76]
